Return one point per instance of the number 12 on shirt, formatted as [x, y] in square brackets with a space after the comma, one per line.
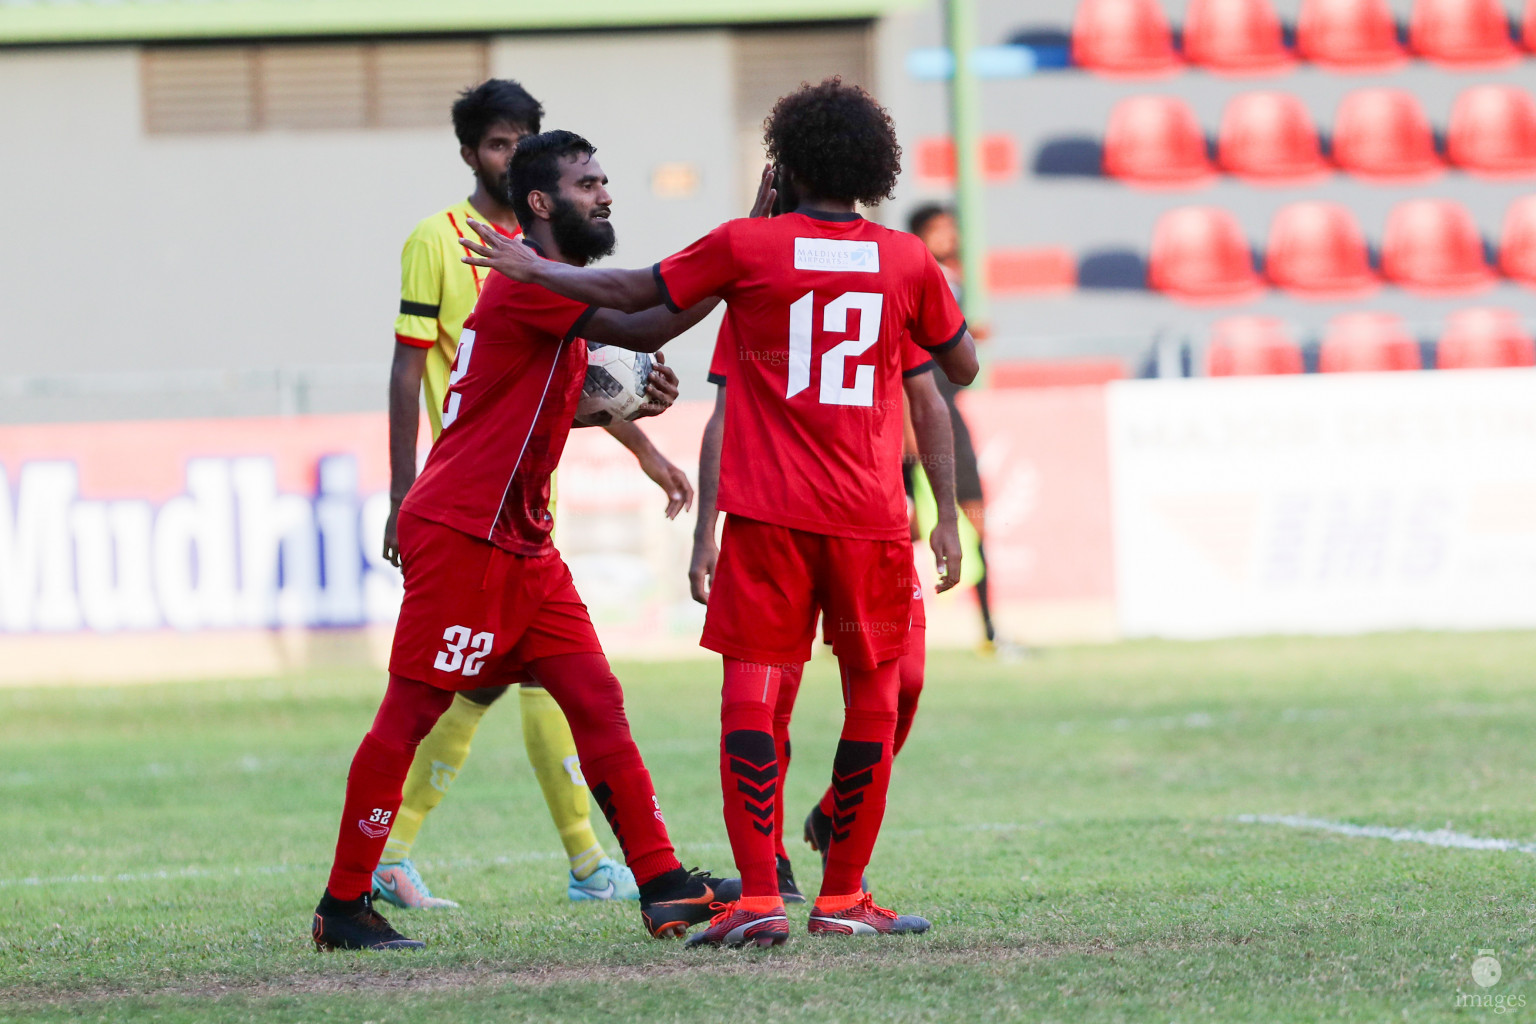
[834, 320]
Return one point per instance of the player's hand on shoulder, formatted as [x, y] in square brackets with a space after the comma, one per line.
[496, 251]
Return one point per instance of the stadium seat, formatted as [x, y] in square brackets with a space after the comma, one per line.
[1269, 137]
[1199, 255]
[1383, 135]
[1493, 132]
[1237, 37]
[1247, 346]
[1363, 342]
[1317, 251]
[1125, 38]
[1432, 246]
[1156, 141]
[1462, 33]
[1484, 338]
[1349, 35]
[1528, 26]
[1517, 246]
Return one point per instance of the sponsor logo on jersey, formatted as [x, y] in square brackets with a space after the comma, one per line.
[837, 254]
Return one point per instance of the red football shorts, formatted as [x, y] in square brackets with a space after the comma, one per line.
[474, 615]
[770, 580]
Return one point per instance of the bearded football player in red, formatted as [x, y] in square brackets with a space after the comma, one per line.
[487, 596]
[820, 302]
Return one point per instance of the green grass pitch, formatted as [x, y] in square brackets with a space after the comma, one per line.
[1070, 823]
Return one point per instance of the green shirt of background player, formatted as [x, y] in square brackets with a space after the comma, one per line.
[437, 294]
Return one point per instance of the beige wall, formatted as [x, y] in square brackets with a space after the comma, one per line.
[126, 251]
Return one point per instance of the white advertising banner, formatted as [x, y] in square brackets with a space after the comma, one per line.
[1335, 503]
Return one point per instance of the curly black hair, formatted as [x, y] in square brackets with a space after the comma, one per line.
[836, 141]
[490, 103]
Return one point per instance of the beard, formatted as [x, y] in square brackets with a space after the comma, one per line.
[578, 235]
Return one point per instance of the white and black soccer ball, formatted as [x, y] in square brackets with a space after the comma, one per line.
[615, 384]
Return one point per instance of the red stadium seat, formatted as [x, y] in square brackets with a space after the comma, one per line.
[1528, 29]
[1199, 255]
[1247, 346]
[1123, 38]
[1156, 141]
[1432, 246]
[1383, 135]
[1349, 35]
[1517, 247]
[1363, 342]
[1483, 339]
[1318, 251]
[1493, 132]
[1462, 33]
[1238, 37]
[1269, 137]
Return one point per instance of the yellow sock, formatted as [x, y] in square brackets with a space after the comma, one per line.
[438, 760]
[552, 752]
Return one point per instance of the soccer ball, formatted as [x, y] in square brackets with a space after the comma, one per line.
[615, 384]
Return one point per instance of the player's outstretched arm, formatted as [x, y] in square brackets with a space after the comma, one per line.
[936, 452]
[643, 332]
[404, 423]
[657, 466]
[959, 363]
[610, 287]
[701, 568]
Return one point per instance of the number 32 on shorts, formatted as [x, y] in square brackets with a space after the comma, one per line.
[454, 658]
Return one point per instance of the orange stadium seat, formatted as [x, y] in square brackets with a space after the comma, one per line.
[1433, 246]
[1517, 246]
[1462, 33]
[1249, 346]
[1349, 35]
[1317, 251]
[1269, 137]
[1156, 141]
[1384, 135]
[1239, 37]
[1123, 38]
[1493, 132]
[1363, 342]
[1199, 255]
[1484, 338]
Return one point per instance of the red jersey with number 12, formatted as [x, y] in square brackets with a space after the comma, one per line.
[820, 307]
[515, 383]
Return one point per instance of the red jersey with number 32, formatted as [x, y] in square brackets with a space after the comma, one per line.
[515, 383]
[820, 308]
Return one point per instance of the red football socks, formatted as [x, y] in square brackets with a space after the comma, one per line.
[911, 668]
[861, 774]
[407, 714]
[593, 701]
[749, 771]
[783, 708]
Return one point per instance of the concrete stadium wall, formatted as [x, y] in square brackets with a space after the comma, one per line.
[153, 255]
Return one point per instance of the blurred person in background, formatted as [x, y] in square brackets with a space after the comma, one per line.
[437, 294]
[940, 232]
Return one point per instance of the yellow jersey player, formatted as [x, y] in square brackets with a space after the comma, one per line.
[437, 294]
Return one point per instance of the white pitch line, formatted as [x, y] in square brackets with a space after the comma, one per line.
[1439, 837]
